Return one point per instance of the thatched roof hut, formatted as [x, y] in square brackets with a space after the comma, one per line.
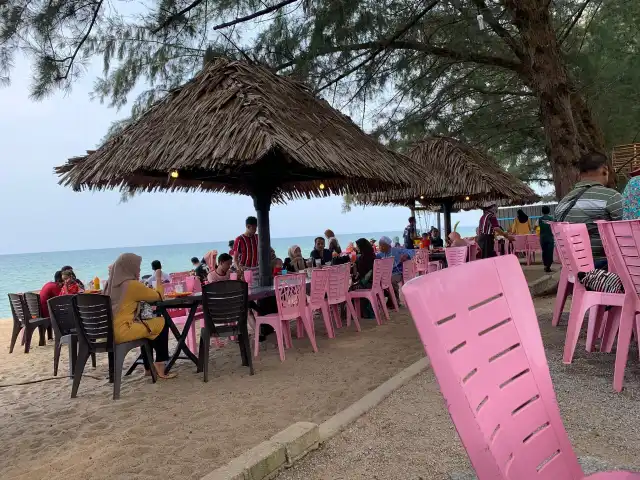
[467, 177]
[235, 124]
[240, 128]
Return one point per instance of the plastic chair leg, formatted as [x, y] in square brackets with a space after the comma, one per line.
[611, 330]
[351, 313]
[576, 317]
[56, 356]
[308, 326]
[203, 355]
[622, 351]
[326, 316]
[394, 300]
[83, 356]
[118, 361]
[564, 288]
[14, 336]
[597, 315]
[27, 335]
[383, 304]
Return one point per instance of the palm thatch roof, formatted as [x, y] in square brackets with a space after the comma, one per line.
[467, 177]
[236, 127]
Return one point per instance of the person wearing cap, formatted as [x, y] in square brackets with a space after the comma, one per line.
[631, 197]
[487, 228]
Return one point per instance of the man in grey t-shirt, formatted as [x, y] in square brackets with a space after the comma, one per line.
[590, 200]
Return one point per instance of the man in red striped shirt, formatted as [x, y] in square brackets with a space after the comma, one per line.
[245, 248]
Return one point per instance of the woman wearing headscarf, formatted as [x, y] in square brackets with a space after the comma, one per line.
[521, 224]
[333, 245]
[455, 240]
[364, 264]
[211, 260]
[126, 292]
[295, 255]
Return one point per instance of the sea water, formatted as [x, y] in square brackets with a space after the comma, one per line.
[29, 271]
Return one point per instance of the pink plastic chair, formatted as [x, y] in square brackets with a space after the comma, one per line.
[373, 294]
[622, 241]
[423, 264]
[520, 246]
[565, 286]
[318, 300]
[533, 246]
[408, 273]
[455, 256]
[385, 282]
[337, 293]
[486, 351]
[473, 252]
[577, 247]
[291, 297]
[178, 277]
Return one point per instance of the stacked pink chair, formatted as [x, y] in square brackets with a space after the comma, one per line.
[565, 286]
[337, 294]
[317, 300]
[622, 240]
[291, 298]
[375, 294]
[456, 256]
[533, 246]
[577, 247]
[423, 264]
[385, 281]
[487, 354]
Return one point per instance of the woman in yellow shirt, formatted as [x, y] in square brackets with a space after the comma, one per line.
[126, 293]
[521, 224]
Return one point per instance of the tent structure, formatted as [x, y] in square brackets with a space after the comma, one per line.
[466, 178]
[240, 128]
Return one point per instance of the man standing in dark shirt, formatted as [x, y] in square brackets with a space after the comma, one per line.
[321, 253]
[546, 238]
[410, 233]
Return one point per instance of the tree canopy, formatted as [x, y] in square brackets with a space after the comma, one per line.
[407, 68]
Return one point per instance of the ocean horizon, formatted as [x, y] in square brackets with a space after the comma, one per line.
[23, 272]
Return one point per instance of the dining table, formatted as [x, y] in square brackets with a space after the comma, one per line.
[191, 303]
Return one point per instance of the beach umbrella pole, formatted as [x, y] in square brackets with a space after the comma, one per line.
[262, 204]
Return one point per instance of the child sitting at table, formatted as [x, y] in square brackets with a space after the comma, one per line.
[70, 285]
[277, 267]
[426, 241]
[222, 271]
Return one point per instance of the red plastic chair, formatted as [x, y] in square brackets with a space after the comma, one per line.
[577, 248]
[456, 256]
[337, 293]
[318, 300]
[386, 283]
[622, 241]
[375, 295]
[291, 298]
[486, 351]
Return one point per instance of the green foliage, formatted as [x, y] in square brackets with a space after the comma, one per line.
[442, 74]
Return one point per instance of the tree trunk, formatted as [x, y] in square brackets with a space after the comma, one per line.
[568, 124]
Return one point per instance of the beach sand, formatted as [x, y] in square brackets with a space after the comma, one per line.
[183, 428]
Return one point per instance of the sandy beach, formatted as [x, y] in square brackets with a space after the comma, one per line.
[182, 428]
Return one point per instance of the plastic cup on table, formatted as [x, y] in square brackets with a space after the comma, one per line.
[284, 272]
[318, 263]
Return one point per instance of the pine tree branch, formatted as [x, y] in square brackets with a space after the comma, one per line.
[499, 29]
[576, 18]
[195, 3]
[445, 52]
[382, 46]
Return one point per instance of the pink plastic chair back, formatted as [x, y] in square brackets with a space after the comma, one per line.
[421, 259]
[520, 243]
[386, 272]
[558, 236]
[168, 288]
[577, 247]
[178, 277]
[319, 285]
[291, 295]
[191, 282]
[338, 284]
[408, 271]
[378, 272]
[623, 250]
[533, 243]
[455, 256]
[486, 351]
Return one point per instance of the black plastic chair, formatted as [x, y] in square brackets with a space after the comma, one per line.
[94, 326]
[22, 319]
[225, 306]
[33, 305]
[64, 329]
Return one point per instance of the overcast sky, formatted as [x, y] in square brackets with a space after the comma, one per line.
[38, 215]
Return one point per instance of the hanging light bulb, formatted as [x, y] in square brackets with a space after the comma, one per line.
[174, 174]
[467, 198]
[421, 197]
[322, 186]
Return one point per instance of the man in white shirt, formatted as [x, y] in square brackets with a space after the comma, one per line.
[156, 265]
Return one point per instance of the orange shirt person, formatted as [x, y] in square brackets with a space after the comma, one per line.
[425, 242]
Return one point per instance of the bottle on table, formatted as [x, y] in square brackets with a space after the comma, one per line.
[96, 283]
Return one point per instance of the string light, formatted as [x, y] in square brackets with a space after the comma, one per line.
[174, 174]
[322, 186]
[467, 198]
[421, 197]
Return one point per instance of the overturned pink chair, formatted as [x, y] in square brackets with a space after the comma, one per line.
[486, 351]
